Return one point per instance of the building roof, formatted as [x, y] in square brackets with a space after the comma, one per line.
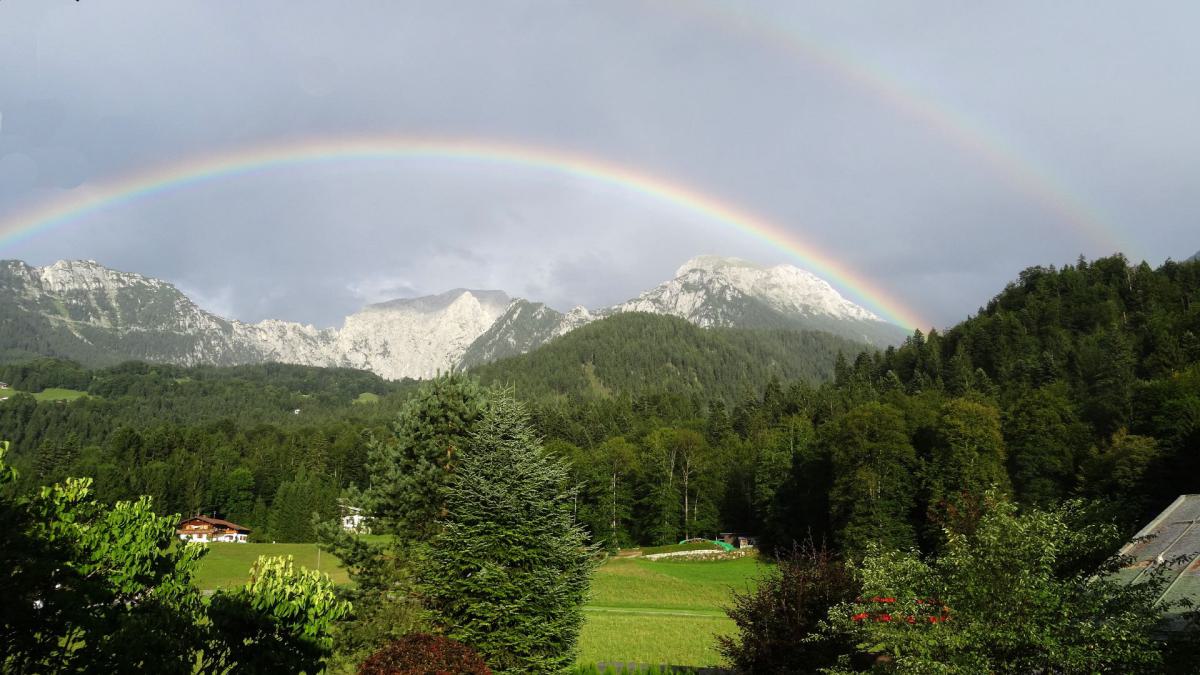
[1173, 533]
[217, 522]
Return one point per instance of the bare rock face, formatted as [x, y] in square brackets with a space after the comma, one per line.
[418, 338]
[85, 311]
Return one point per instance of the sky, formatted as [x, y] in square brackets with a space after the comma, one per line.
[933, 149]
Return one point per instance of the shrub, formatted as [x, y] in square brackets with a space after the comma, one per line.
[423, 654]
[778, 622]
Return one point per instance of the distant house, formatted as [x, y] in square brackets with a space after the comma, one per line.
[738, 540]
[1170, 538]
[3, 385]
[353, 519]
[204, 529]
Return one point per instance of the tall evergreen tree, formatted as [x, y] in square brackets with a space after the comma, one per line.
[508, 571]
[409, 468]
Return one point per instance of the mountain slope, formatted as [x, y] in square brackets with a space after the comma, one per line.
[83, 311]
[635, 353]
[523, 327]
[711, 291]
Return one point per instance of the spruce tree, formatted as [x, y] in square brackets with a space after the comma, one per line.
[508, 571]
[409, 469]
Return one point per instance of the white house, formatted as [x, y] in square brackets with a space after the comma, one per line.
[353, 520]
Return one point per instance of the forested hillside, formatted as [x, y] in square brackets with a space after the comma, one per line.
[637, 353]
[1079, 381]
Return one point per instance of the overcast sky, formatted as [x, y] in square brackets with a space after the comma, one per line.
[936, 148]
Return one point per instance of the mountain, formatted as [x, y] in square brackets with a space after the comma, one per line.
[712, 291]
[84, 311]
[635, 353]
[523, 327]
[1194, 258]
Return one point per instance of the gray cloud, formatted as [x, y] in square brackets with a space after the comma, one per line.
[772, 107]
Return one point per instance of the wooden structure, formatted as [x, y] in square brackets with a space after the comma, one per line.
[204, 529]
[738, 540]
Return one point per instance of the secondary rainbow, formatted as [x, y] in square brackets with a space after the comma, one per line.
[90, 199]
[1019, 169]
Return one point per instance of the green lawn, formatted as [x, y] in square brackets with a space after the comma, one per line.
[367, 397]
[661, 611]
[229, 564]
[55, 394]
[640, 611]
[52, 394]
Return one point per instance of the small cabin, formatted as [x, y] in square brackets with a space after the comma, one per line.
[3, 385]
[204, 529]
[738, 539]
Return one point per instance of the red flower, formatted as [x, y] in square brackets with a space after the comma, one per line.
[859, 617]
[884, 618]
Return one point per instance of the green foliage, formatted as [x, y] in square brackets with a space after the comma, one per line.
[279, 622]
[637, 353]
[410, 467]
[90, 588]
[297, 503]
[1006, 598]
[508, 571]
[382, 592]
[779, 621]
[873, 490]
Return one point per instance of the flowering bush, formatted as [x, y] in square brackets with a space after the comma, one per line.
[424, 654]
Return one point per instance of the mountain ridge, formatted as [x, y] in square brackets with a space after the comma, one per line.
[85, 311]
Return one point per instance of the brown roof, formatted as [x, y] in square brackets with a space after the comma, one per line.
[218, 522]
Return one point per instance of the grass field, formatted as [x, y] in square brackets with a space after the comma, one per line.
[661, 611]
[229, 564]
[55, 394]
[52, 394]
[640, 611]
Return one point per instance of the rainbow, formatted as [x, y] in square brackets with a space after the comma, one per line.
[1021, 172]
[160, 179]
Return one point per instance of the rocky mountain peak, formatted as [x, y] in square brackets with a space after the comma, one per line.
[714, 263]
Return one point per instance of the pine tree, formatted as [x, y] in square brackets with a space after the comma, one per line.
[508, 572]
[409, 469]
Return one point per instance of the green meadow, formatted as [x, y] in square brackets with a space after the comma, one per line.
[51, 394]
[661, 612]
[641, 611]
[228, 564]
